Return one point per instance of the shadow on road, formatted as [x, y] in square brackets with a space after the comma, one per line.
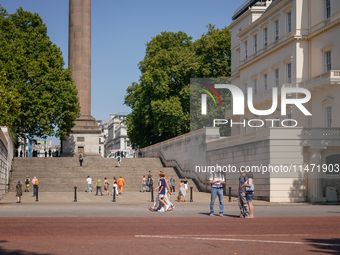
[325, 245]
[17, 252]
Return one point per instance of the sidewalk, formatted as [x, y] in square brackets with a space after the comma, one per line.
[126, 198]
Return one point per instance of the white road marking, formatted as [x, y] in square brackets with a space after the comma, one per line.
[235, 240]
[252, 235]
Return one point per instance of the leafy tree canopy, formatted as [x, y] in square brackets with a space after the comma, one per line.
[39, 94]
[160, 101]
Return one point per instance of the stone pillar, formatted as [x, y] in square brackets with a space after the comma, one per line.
[85, 137]
[79, 52]
[316, 192]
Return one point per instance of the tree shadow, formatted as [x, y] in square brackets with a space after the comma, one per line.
[18, 252]
[325, 246]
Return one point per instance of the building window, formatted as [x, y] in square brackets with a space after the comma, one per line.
[328, 61]
[327, 8]
[255, 86]
[245, 129]
[276, 30]
[255, 43]
[265, 124]
[289, 73]
[328, 117]
[277, 122]
[277, 78]
[100, 140]
[245, 91]
[265, 37]
[265, 82]
[245, 49]
[100, 150]
[289, 22]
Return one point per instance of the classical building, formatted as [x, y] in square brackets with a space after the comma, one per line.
[278, 44]
[117, 138]
[6, 157]
[103, 126]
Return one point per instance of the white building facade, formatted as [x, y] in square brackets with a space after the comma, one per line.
[117, 137]
[290, 43]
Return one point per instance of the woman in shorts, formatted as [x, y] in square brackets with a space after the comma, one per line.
[182, 191]
[106, 187]
[249, 194]
[144, 183]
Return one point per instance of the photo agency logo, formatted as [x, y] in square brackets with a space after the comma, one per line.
[238, 103]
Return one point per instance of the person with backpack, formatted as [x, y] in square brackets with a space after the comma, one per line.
[216, 180]
[250, 187]
[35, 186]
[121, 184]
[119, 159]
[18, 191]
[27, 184]
[150, 181]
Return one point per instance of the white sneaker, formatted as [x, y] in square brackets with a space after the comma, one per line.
[161, 210]
[166, 207]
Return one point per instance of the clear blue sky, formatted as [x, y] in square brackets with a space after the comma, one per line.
[120, 30]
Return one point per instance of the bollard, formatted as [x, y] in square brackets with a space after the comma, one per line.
[191, 195]
[114, 194]
[229, 194]
[36, 197]
[152, 195]
[75, 194]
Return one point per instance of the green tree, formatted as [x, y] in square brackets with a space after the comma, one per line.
[33, 68]
[160, 101]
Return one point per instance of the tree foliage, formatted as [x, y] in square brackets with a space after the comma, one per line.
[43, 96]
[160, 101]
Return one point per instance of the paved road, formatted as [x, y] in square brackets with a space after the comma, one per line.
[175, 235]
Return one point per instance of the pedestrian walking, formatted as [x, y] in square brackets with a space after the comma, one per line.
[81, 160]
[250, 187]
[121, 184]
[49, 153]
[18, 189]
[27, 184]
[89, 184]
[119, 159]
[181, 191]
[150, 181]
[172, 184]
[114, 186]
[144, 183]
[106, 187]
[99, 186]
[242, 202]
[185, 183]
[34, 186]
[216, 180]
[161, 193]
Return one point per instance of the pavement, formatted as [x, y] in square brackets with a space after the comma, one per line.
[135, 204]
[96, 225]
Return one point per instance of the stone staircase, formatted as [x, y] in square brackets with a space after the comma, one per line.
[63, 174]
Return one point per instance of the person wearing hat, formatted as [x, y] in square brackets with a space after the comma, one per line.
[18, 191]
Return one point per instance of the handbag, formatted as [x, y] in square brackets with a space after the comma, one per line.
[250, 189]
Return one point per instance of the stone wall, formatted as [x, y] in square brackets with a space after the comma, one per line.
[6, 157]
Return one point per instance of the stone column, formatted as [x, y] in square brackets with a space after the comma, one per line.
[85, 134]
[79, 53]
[315, 178]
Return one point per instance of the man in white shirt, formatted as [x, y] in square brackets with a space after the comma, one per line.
[216, 180]
[89, 184]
